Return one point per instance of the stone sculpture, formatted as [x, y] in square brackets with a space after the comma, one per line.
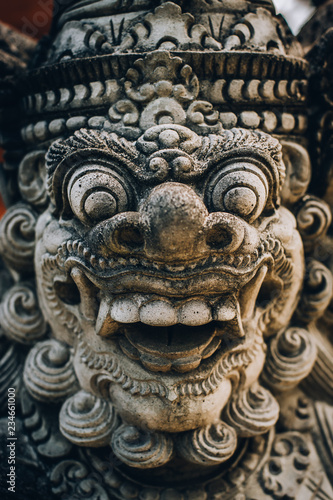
[166, 286]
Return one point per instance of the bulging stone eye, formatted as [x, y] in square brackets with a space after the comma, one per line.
[240, 188]
[96, 193]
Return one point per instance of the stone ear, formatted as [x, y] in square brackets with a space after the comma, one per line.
[298, 172]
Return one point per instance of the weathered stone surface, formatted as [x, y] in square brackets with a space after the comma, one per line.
[166, 303]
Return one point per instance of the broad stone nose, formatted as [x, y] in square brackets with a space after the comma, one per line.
[173, 218]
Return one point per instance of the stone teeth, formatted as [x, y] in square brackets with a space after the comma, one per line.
[158, 313]
[186, 364]
[129, 349]
[194, 313]
[155, 363]
[105, 325]
[211, 348]
[226, 310]
[125, 310]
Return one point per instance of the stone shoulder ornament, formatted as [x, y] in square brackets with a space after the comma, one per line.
[166, 254]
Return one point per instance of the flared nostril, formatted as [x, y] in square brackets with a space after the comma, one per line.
[224, 232]
[123, 234]
[130, 238]
[219, 238]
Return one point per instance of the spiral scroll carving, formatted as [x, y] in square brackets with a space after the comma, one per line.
[252, 411]
[20, 316]
[291, 357]
[210, 445]
[17, 240]
[87, 420]
[313, 220]
[141, 449]
[48, 373]
[317, 293]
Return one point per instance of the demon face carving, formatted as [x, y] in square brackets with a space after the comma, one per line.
[164, 263]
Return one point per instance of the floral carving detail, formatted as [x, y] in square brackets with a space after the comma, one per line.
[289, 452]
[248, 31]
[203, 117]
[71, 477]
[161, 75]
[31, 178]
[168, 28]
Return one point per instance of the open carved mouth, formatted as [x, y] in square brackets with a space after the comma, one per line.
[179, 348]
[166, 332]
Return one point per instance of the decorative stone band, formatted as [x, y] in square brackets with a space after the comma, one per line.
[100, 93]
[277, 122]
[213, 65]
[134, 93]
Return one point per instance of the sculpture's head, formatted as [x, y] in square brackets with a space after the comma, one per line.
[167, 253]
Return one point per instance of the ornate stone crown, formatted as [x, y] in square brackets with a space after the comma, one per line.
[137, 66]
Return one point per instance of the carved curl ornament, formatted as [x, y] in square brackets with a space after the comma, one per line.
[167, 303]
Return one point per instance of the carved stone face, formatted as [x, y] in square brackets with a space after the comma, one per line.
[166, 268]
[165, 262]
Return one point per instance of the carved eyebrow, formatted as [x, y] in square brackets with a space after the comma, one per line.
[204, 152]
